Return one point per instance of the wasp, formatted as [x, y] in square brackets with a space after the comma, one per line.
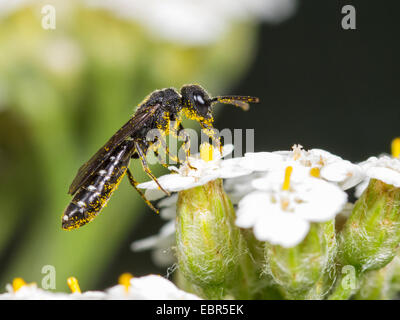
[98, 178]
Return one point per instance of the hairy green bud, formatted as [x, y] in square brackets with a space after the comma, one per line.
[380, 284]
[208, 244]
[371, 235]
[298, 270]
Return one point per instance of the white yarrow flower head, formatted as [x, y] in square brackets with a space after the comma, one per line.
[385, 168]
[20, 290]
[315, 162]
[207, 168]
[280, 211]
[370, 237]
[150, 287]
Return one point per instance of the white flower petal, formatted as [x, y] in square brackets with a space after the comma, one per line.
[226, 149]
[146, 243]
[343, 172]
[154, 194]
[321, 201]
[168, 201]
[232, 168]
[163, 239]
[283, 229]
[361, 187]
[250, 208]
[387, 175]
[155, 287]
[332, 167]
[261, 161]
[168, 213]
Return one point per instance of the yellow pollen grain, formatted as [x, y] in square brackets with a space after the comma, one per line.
[286, 181]
[125, 280]
[396, 147]
[315, 172]
[18, 283]
[73, 285]
[284, 204]
[206, 151]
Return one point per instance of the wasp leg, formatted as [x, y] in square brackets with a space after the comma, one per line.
[147, 169]
[161, 143]
[211, 132]
[156, 145]
[173, 157]
[161, 159]
[174, 131]
[134, 183]
[186, 145]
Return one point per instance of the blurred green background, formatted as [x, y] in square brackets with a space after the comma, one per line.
[63, 93]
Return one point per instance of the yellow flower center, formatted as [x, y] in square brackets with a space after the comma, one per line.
[125, 280]
[18, 283]
[396, 148]
[286, 181]
[206, 151]
[315, 172]
[73, 285]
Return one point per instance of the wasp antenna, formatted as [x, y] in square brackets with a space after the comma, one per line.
[238, 101]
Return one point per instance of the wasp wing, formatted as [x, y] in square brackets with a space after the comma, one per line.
[142, 115]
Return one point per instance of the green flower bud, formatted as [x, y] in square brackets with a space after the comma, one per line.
[380, 284]
[208, 244]
[371, 234]
[299, 271]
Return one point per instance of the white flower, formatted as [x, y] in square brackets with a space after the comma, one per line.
[384, 168]
[315, 162]
[32, 292]
[151, 287]
[206, 171]
[255, 172]
[161, 244]
[281, 213]
[361, 187]
[237, 188]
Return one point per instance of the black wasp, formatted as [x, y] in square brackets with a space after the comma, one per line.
[163, 110]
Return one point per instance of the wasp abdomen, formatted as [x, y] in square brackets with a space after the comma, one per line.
[95, 193]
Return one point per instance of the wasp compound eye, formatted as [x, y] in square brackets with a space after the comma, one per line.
[202, 105]
[199, 99]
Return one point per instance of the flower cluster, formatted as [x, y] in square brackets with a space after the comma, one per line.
[151, 287]
[268, 225]
[288, 216]
[314, 179]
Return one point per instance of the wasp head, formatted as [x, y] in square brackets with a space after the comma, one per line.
[196, 103]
